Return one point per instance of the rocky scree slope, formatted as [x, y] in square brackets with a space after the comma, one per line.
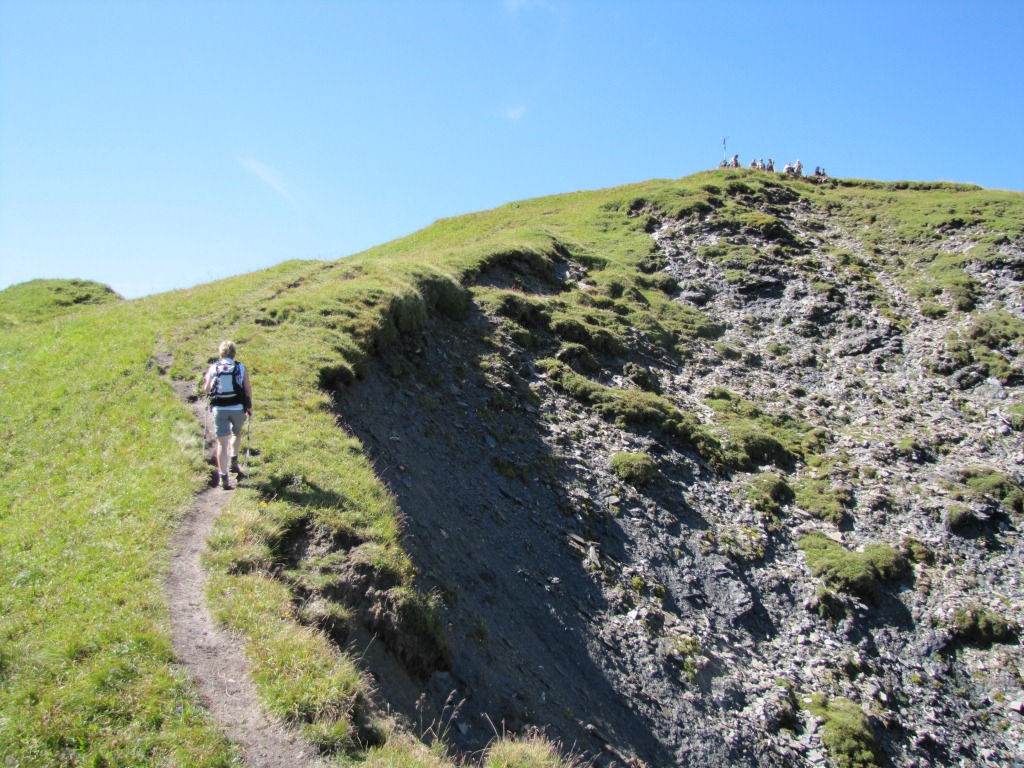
[789, 535]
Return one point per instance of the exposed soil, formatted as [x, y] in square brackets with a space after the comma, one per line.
[214, 658]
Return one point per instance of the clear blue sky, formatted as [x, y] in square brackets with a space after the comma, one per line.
[157, 144]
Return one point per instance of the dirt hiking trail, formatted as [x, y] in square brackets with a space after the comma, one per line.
[213, 657]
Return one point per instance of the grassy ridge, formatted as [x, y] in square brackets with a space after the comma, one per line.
[101, 459]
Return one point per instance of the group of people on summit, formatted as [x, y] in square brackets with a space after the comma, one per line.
[760, 165]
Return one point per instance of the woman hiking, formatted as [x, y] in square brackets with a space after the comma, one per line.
[227, 384]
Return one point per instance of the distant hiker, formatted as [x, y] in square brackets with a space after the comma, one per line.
[760, 164]
[788, 169]
[798, 169]
[753, 164]
[227, 384]
[771, 166]
[735, 162]
[824, 175]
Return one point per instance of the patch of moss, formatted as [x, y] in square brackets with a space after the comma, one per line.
[743, 542]
[590, 334]
[634, 468]
[663, 282]
[958, 516]
[913, 449]
[686, 650]
[941, 273]
[916, 552]
[933, 310]
[989, 483]
[755, 438]
[518, 334]
[578, 357]
[513, 305]
[823, 500]
[847, 732]
[766, 493]
[991, 342]
[982, 626]
[642, 377]
[853, 572]
[766, 225]
[1017, 417]
[828, 605]
[727, 351]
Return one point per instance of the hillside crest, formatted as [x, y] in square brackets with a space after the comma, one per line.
[723, 469]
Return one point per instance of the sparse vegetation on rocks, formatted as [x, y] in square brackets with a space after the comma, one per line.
[767, 493]
[978, 624]
[847, 734]
[859, 573]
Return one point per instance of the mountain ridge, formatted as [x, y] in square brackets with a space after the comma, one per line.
[618, 353]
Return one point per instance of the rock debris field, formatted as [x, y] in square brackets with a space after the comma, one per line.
[672, 620]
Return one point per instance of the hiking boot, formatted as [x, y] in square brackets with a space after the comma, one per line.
[234, 466]
[225, 483]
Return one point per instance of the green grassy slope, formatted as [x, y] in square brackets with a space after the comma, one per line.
[101, 459]
[41, 299]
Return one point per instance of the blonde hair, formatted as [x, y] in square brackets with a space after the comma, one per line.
[227, 349]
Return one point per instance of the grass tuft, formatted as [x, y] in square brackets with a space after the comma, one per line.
[634, 468]
[982, 626]
[854, 572]
[847, 733]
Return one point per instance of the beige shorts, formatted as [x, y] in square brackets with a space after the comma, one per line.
[228, 421]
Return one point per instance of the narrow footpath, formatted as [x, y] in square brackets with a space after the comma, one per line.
[214, 657]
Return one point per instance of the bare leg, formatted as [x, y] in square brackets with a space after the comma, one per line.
[223, 454]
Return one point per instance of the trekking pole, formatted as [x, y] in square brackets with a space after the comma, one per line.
[248, 442]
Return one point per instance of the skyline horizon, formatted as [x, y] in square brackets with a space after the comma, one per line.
[160, 146]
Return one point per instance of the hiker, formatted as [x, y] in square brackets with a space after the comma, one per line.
[735, 162]
[788, 169]
[760, 164]
[227, 384]
[771, 166]
[798, 169]
[753, 164]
